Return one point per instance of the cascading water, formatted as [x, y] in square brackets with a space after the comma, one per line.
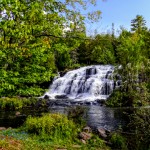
[86, 83]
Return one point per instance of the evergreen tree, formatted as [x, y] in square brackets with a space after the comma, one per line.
[138, 24]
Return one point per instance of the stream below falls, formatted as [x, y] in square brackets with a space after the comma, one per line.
[95, 115]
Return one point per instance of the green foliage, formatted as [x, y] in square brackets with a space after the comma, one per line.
[140, 127]
[134, 90]
[27, 60]
[78, 115]
[13, 139]
[53, 126]
[116, 99]
[34, 43]
[15, 103]
[96, 142]
[138, 24]
[118, 142]
[97, 50]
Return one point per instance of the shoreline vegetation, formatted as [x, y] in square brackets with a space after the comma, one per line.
[58, 131]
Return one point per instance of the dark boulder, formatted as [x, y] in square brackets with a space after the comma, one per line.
[101, 101]
[46, 97]
[61, 97]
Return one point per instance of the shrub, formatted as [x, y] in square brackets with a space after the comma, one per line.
[139, 126]
[115, 100]
[78, 115]
[55, 126]
[118, 142]
[96, 142]
[15, 103]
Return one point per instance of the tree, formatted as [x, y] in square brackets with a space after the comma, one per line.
[31, 36]
[134, 71]
[99, 50]
[102, 51]
[138, 24]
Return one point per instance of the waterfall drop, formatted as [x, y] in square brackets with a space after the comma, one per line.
[86, 83]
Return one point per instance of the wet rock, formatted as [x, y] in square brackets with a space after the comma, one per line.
[73, 102]
[88, 103]
[102, 133]
[81, 103]
[87, 129]
[101, 101]
[85, 136]
[118, 77]
[46, 97]
[94, 103]
[108, 132]
[62, 73]
[61, 97]
[62, 103]
[108, 73]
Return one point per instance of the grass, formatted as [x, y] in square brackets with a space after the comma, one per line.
[10, 143]
[48, 132]
[35, 142]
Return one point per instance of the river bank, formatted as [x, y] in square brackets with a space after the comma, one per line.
[128, 124]
[56, 131]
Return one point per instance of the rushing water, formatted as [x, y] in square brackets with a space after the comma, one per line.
[86, 83]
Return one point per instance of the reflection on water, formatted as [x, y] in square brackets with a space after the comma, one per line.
[96, 116]
[17, 118]
[109, 118]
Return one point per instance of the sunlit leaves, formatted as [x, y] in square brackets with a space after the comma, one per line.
[33, 41]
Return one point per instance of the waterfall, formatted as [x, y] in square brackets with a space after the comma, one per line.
[86, 83]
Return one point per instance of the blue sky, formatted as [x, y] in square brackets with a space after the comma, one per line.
[119, 12]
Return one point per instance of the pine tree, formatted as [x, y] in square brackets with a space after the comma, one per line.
[138, 24]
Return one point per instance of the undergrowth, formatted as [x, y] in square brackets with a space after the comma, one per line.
[48, 132]
[15, 103]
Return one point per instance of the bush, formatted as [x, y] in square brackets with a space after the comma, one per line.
[115, 100]
[55, 126]
[96, 142]
[78, 115]
[140, 127]
[15, 103]
[118, 142]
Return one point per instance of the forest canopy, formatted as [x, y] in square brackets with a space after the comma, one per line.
[34, 43]
[38, 38]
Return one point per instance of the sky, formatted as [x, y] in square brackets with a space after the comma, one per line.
[119, 12]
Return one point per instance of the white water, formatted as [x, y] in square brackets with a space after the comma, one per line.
[86, 83]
